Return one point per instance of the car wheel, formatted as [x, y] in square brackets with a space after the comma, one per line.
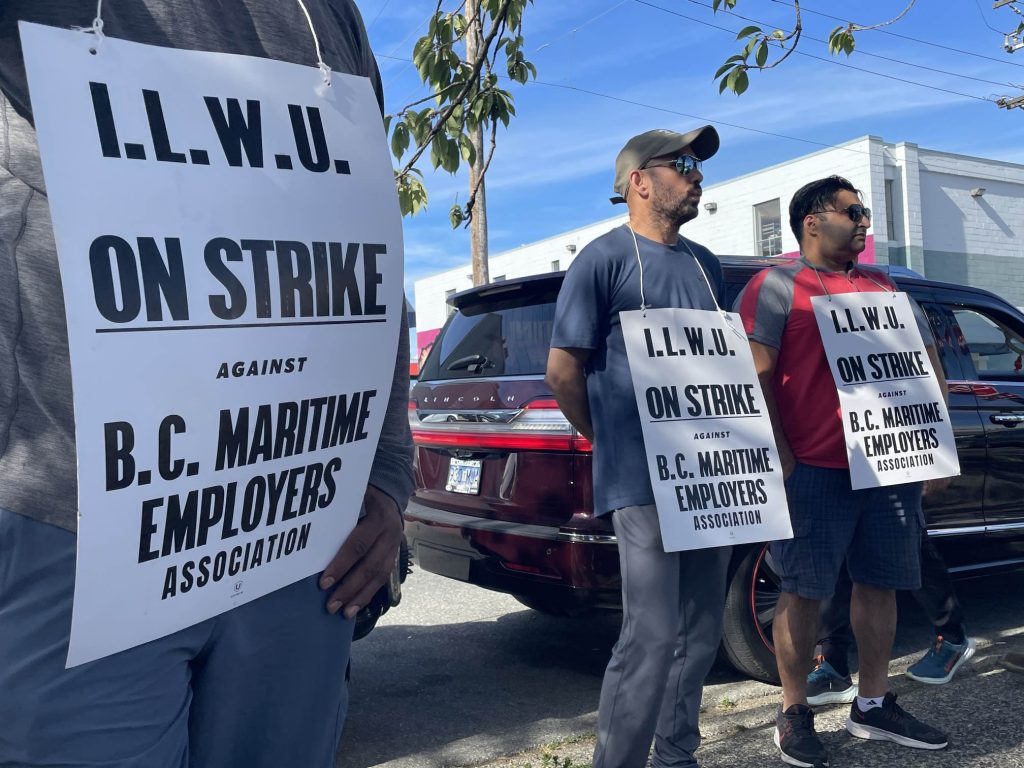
[749, 615]
[554, 606]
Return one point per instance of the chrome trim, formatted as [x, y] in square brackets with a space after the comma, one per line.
[463, 379]
[530, 530]
[467, 417]
[1004, 527]
[976, 529]
[957, 531]
[987, 566]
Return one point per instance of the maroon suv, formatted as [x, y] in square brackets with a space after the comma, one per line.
[503, 496]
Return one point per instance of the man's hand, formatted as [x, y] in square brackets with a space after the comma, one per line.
[365, 560]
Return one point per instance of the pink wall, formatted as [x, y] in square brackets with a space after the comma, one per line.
[425, 337]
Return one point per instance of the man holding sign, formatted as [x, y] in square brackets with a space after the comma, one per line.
[205, 135]
[873, 519]
[672, 601]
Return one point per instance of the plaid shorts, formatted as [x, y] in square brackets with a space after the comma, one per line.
[876, 530]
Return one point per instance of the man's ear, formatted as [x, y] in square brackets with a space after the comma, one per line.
[811, 222]
[638, 183]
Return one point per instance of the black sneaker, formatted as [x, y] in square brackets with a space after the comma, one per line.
[796, 739]
[890, 722]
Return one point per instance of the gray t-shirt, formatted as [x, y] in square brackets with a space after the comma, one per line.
[603, 281]
[37, 432]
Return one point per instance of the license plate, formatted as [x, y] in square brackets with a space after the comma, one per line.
[463, 476]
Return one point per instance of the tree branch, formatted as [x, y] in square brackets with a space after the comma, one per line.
[472, 81]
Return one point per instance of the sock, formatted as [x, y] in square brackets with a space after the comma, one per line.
[864, 703]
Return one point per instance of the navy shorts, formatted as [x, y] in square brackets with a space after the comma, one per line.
[876, 530]
[261, 686]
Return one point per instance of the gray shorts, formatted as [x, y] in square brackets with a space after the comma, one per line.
[876, 530]
[261, 686]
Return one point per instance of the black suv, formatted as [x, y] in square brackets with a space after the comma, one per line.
[503, 496]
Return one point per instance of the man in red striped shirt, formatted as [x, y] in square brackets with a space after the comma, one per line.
[877, 530]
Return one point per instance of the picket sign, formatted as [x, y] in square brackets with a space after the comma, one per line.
[711, 453]
[895, 418]
[230, 248]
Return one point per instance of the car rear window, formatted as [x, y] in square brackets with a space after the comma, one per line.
[496, 337]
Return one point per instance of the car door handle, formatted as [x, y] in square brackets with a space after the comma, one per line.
[1007, 419]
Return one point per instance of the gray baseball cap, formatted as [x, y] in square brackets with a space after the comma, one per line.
[641, 149]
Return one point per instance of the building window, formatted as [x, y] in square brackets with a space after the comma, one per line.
[768, 228]
[447, 295]
[555, 265]
[890, 211]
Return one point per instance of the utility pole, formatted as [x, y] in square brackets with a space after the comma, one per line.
[478, 221]
[1011, 40]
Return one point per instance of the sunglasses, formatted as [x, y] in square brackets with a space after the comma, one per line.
[856, 212]
[683, 164]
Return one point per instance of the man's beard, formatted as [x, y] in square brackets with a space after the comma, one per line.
[676, 211]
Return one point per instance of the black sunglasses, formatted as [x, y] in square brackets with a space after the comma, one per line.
[856, 212]
[683, 164]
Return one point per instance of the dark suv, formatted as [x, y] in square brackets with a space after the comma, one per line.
[503, 495]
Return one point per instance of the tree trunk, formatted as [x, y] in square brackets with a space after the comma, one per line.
[478, 223]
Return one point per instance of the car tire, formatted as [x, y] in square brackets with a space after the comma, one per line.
[749, 613]
[554, 606]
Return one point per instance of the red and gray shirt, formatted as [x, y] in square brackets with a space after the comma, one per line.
[776, 311]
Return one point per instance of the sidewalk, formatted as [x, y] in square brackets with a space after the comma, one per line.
[982, 710]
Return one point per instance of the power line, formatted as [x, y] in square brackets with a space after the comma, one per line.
[370, 25]
[675, 112]
[578, 27]
[985, 20]
[805, 9]
[821, 58]
[862, 52]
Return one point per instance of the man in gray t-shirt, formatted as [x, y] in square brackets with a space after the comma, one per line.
[262, 685]
[672, 602]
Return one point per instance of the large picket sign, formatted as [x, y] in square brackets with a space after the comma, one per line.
[711, 452]
[895, 418]
[231, 254]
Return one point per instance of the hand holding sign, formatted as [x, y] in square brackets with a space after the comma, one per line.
[366, 558]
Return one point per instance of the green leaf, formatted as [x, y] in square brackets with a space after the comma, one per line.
[749, 47]
[467, 148]
[723, 85]
[387, 124]
[753, 29]
[741, 83]
[456, 216]
[762, 54]
[399, 140]
[412, 195]
[723, 69]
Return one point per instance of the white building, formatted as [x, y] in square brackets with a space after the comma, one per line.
[949, 217]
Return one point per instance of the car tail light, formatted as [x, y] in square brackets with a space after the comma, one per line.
[539, 425]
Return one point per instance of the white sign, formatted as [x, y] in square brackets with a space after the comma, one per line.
[894, 416]
[230, 248]
[711, 452]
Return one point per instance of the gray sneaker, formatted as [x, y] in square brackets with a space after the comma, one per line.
[826, 686]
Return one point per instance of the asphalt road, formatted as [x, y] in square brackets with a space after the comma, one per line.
[458, 676]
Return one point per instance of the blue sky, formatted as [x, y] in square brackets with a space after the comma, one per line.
[654, 68]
